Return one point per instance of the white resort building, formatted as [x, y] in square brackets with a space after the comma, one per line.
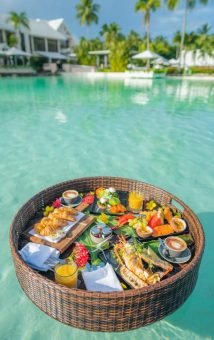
[51, 39]
[196, 58]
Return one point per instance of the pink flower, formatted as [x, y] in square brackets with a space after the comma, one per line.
[57, 203]
[80, 254]
[88, 199]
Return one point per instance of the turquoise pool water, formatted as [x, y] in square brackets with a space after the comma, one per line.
[54, 129]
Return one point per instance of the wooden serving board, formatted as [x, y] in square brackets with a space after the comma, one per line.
[74, 233]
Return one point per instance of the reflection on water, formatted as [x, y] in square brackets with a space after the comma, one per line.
[189, 91]
[186, 90]
[61, 117]
[140, 98]
[138, 82]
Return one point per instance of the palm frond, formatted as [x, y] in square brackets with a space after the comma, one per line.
[172, 4]
[191, 4]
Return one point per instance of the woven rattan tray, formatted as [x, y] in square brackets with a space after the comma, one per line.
[119, 311]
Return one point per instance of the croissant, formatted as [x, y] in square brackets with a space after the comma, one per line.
[38, 227]
[47, 231]
[59, 222]
[69, 210]
[53, 220]
[65, 216]
[45, 221]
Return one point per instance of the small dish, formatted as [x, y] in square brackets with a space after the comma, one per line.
[178, 224]
[100, 232]
[74, 204]
[144, 234]
[184, 257]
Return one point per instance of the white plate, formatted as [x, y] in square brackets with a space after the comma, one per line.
[62, 231]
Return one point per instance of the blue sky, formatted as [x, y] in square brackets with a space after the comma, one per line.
[121, 11]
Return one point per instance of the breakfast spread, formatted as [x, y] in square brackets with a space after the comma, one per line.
[140, 240]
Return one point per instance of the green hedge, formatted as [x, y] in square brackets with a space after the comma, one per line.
[159, 70]
[191, 70]
[174, 71]
[37, 63]
[202, 70]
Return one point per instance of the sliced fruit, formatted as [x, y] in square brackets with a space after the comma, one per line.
[100, 191]
[167, 214]
[157, 219]
[162, 230]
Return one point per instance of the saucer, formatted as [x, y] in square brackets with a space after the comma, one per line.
[74, 204]
[184, 257]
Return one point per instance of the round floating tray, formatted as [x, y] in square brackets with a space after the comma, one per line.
[110, 312]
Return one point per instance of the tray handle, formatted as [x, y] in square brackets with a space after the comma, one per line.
[178, 204]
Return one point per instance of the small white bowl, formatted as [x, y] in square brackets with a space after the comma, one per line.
[143, 234]
[175, 227]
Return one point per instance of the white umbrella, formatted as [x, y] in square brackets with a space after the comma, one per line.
[173, 62]
[72, 55]
[16, 52]
[161, 61]
[146, 55]
[3, 53]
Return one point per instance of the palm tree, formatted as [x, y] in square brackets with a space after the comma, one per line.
[205, 42]
[133, 41]
[87, 12]
[111, 33]
[204, 29]
[161, 46]
[12, 40]
[177, 41]
[18, 20]
[147, 6]
[188, 5]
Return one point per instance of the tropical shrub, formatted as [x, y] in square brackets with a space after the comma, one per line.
[119, 56]
[13, 40]
[37, 63]
[161, 46]
[160, 70]
[83, 49]
[202, 70]
[174, 71]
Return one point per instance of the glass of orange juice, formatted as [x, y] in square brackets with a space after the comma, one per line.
[135, 201]
[66, 274]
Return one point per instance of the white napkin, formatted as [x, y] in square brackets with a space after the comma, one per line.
[39, 256]
[102, 280]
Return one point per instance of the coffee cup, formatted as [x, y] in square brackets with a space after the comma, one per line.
[70, 196]
[175, 245]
